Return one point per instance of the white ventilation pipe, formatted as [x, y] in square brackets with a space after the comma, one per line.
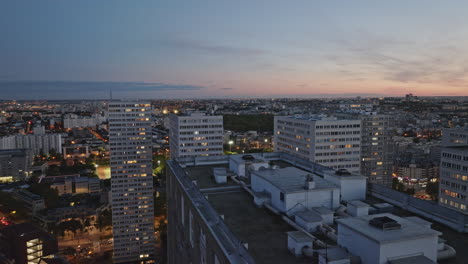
[341, 211]
[329, 228]
[446, 253]
[331, 235]
[235, 180]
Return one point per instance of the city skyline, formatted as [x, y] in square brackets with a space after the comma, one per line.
[153, 49]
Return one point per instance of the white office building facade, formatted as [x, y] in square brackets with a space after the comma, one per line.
[329, 141]
[196, 134]
[131, 182]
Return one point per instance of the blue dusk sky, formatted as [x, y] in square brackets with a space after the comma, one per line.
[64, 49]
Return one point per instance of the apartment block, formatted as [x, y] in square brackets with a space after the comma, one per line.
[377, 147]
[453, 182]
[131, 182]
[37, 143]
[195, 134]
[329, 141]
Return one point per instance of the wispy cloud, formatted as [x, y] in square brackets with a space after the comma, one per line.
[70, 89]
[212, 48]
[401, 61]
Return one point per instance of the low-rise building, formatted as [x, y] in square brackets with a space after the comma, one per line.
[15, 165]
[75, 185]
[33, 202]
[27, 244]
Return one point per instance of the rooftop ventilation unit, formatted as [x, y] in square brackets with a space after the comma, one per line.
[384, 223]
[342, 172]
[309, 182]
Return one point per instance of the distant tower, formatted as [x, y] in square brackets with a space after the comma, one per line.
[110, 94]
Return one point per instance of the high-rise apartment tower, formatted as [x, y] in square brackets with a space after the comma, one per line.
[131, 182]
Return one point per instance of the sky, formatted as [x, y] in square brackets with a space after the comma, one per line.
[68, 49]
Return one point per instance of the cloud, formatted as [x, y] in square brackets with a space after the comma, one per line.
[216, 49]
[400, 61]
[71, 89]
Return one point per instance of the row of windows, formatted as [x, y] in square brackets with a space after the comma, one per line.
[335, 133]
[453, 185]
[453, 194]
[454, 176]
[201, 126]
[452, 203]
[320, 140]
[454, 166]
[200, 138]
[201, 144]
[337, 160]
[295, 124]
[338, 146]
[201, 121]
[201, 150]
[454, 156]
[338, 126]
[338, 153]
[210, 132]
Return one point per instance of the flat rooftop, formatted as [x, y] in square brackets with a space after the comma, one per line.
[409, 229]
[291, 179]
[205, 178]
[265, 232]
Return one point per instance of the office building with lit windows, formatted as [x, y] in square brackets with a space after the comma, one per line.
[454, 169]
[131, 182]
[329, 141]
[195, 134]
[377, 147]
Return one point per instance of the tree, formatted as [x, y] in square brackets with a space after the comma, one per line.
[410, 191]
[395, 183]
[50, 195]
[160, 205]
[69, 251]
[104, 219]
[432, 188]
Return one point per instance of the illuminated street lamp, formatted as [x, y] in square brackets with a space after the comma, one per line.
[230, 144]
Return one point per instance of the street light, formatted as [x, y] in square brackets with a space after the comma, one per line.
[230, 144]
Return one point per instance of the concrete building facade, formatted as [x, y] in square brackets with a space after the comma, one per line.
[453, 182]
[195, 134]
[329, 141]
[377, 147]
[131, 182]
[37, 143]
[15, 164]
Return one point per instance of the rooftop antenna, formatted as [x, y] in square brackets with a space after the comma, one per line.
[110, 94]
